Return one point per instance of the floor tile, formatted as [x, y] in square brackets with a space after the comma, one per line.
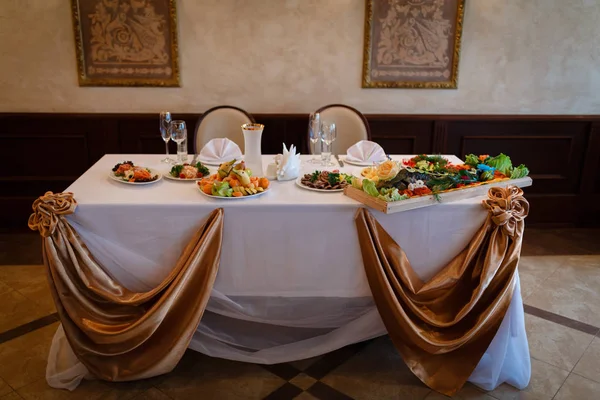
[302, 365]
[560, 241]
[578, 388]
[87, 390]
[305, 396]
[573, 290]
[545, 382]
[4, 388]
[534, 270]
[152, 394]
[589, 365]
[468, 392]
[4, 287]
[20, 248]
[11, 396]
[555, 344]
[303, 381]
[30, 281]
[38, 390]
[377, 372]
[212, 378]
[16, 309]
[23, 360]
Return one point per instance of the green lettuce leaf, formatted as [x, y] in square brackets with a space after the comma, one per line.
[472, 160]
[222, 189]
[486, 176]
[370, 188]
[519, 172]
[501, 162]
[391, 195]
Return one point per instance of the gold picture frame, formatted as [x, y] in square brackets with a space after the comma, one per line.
[126, 42]
[418, 43]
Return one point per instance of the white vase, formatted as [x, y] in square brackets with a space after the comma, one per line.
[252, 142]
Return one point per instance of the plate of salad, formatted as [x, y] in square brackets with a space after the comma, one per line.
[128, 172]
[324, 181]
[187, 172]
[233, 182]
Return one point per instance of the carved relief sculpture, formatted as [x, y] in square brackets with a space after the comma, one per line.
[412, 43]
[126, 42]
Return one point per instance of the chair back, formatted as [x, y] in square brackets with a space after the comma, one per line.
[221, 122]
[351, 125]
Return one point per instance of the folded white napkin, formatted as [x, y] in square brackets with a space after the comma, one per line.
[220, 149]
[365, 151]
[288, 164]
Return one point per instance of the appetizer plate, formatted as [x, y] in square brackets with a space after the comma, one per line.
[299, 183]
[361, 163]
[232, 198]
[112, 176]
[168, 176]
[218, 162]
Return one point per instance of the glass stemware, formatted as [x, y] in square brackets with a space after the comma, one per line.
[165, 132]
[314, 135]
[328, 136]
[179, 135]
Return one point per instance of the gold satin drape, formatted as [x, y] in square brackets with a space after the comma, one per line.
[117, 334]
[443, 327]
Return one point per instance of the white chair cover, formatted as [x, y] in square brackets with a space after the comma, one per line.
[350, 125]
[221, 122]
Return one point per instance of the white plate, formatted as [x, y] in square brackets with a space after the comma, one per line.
[218, 162]
[112, 176]
[362, 163]
[299, 183]
[232, 198]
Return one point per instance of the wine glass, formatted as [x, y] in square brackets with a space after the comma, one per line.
[178, 135]
[314, 135]
[165, 132]
[328, 136]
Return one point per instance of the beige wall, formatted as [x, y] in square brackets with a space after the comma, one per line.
[518, 56]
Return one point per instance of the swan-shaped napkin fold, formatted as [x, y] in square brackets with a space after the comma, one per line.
[220, 150]
[288, 164]
[365, 151]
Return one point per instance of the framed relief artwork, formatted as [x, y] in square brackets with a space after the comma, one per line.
[412, 43]
[126, 42]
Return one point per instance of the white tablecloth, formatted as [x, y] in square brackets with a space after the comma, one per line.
[291, 283]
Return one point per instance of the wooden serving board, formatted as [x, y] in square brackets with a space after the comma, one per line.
[430, 200]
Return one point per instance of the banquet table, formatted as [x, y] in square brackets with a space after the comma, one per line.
[291, 283]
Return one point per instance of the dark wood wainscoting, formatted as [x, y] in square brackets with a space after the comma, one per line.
[41, 152]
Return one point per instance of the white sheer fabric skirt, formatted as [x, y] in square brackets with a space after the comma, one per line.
[276, 330]
[275, 301]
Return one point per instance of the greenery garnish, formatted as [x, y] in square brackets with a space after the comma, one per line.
[176, 170]
[315, 176]
[333, 178]
[202, 169]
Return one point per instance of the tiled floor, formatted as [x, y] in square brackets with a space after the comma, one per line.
[560, 280]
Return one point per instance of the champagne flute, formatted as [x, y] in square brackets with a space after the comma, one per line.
[314, 135]
[165, 132]
[328, 136]
[178, 135]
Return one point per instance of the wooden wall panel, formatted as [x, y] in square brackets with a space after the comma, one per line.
[402, 137]
[42, 152]
[553, 151]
